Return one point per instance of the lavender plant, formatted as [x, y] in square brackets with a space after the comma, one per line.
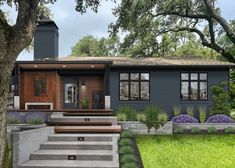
[184, 118]
[14, 118]
[219, 118]
[35, 118]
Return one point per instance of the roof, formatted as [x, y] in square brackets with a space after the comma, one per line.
[151, 61]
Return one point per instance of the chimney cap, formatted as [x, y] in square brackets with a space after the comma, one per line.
[47, 22]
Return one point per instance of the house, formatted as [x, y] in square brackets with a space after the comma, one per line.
[50, 82]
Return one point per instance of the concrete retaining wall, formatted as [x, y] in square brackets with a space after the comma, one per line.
[203, 126]
[26, 142]
[140, 128]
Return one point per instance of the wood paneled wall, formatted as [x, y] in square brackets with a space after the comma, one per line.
[27, 89]
[92, 83]
[55, 88]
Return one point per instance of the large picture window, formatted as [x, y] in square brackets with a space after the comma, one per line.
[194, 86]
[134, 86]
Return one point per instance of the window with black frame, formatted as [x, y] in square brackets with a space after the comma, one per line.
[194, 86]
[134, 86]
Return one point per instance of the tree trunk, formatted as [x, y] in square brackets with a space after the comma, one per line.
[6, 68]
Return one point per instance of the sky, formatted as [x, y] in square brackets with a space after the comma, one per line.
[73, 26]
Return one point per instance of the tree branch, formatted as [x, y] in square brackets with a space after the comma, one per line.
[198, 16]
[211, 30]
[227, 28]
[23, 30]
[205, 43]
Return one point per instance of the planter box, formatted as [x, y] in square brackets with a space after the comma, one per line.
[186, 127]
[137, 127]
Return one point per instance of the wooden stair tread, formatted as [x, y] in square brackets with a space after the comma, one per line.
[80, 123]
[97, 129]
[89, 110]
[87, 114]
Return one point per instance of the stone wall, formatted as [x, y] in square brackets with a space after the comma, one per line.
[140, 128]
[203, 126]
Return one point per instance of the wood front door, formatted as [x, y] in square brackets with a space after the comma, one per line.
[71, 92]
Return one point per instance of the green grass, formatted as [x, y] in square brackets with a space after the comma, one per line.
[187, 151]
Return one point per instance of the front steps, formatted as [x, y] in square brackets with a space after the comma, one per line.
[80, 141]
[68, 164]
[88, 129]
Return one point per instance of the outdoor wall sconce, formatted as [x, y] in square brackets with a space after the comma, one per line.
[83, 83]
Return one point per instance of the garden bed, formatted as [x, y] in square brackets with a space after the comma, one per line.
[204, 128]
[129, 154]
[137, 127]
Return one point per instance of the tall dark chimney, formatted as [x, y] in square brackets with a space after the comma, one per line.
[46, 41]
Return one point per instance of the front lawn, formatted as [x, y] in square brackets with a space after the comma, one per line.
[187, 151]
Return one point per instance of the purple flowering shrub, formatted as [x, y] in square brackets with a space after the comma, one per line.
[35, 118]
[219, 118]
[184, 118]
[14, 118]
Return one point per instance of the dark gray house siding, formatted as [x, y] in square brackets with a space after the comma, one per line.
[165, 87]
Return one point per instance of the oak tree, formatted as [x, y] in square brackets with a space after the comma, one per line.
[201, 17]
[15, 38]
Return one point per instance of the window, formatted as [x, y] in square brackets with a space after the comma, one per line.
[134, 86]
[193, 86]
[40, 87]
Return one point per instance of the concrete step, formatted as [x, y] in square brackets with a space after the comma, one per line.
[87, 113]
[68, 164]
[105, 155]
[77, 119]
[76, 145]
[89, 123]
[88, 129]
[82, 137]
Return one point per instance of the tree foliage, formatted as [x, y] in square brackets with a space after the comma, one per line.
[91, 46]
[140, 18]
[220, 99]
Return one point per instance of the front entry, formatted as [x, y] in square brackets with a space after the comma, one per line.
[71, 93]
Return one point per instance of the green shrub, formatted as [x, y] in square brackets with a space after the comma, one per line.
[195, 130]
[211, 130]
[176, 110]
[162, 118]
[128, 158]
[178, 130]
[35, 121]
[141, 117]
[125, 142]
[152, 117]
[220, 99]
[190, 111]
[202, 113]
[121, 117]
[128, 110]
[126, 150]
[129, 165]
[229, 130]
[126, 134]
[13, 121]
[232, 114]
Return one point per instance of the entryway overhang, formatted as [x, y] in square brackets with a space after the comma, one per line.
[63, 64]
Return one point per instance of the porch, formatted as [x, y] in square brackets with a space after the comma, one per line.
[60, 86]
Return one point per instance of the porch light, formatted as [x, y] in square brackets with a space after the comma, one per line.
[83, 83]
[64, 66]
[35, 66]
[92, 66]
